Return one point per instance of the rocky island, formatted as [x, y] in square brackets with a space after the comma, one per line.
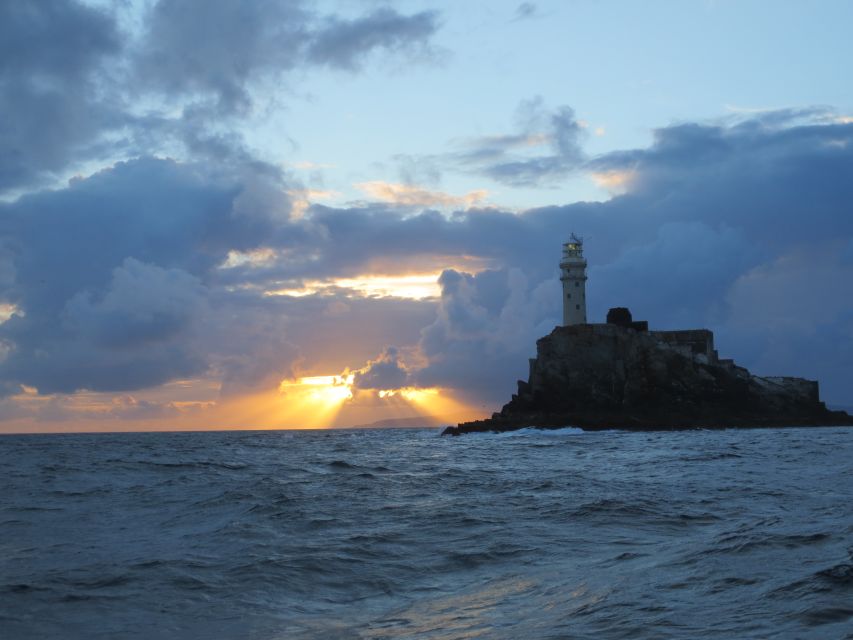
[620, 375]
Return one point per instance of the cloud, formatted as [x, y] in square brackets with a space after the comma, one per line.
[216, 49]
[615, 181]
[411, 196]
[413, 170]
[136, 333]
[75, 87]
[52, 55]
[546, 149]
[143, 304]
[705, 205]
[526, 10]
[344, 43]
[91, 411]
[109, 275]
[119, 281]
[485, 329]
[385, 372]
[154, 270]
[710, 258]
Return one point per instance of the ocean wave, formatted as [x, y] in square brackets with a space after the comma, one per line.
[394, 534]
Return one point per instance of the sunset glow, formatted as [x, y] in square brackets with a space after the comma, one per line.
[406, 195]
[425, 319]
[311, 400]
[323, 389]
[418, 286]
[255, 220]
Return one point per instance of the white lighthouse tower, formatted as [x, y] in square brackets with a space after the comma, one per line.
[573, 277]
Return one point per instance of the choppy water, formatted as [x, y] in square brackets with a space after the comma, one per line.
[401, 533]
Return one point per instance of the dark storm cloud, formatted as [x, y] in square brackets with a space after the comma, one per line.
[714, 217]
[114, 277]
[73, 85]
[156, 211]
[57, 39]
[51, 55]
[745, 228]
[143, 304]
[782, 185]
[485, 328]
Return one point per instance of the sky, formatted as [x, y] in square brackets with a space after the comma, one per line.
[283, 214]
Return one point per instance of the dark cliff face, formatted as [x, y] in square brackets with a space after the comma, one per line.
[608, 376]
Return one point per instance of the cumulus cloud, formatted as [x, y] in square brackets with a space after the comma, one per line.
[721, 226]
[485, 329]
[708, 204]
[136, 333]
[109, 275]
[385, 372]
[143, 304]
[154, 270]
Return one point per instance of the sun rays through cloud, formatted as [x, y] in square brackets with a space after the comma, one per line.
[195, 210]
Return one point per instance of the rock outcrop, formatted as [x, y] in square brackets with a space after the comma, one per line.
[601, 376]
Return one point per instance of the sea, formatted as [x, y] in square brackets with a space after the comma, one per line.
[402, 533]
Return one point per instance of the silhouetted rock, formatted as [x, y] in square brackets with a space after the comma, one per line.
[600, 376]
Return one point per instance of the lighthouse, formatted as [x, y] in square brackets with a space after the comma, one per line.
[573, 277]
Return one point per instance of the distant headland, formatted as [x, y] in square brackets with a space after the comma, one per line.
[621, 375]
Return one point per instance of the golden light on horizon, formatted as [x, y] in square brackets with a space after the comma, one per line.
[315, 401]
[311, 402]
[330, 390]
[413, 286]
[324, 401]
[432, 402]
[307, 402]
[413, 394]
